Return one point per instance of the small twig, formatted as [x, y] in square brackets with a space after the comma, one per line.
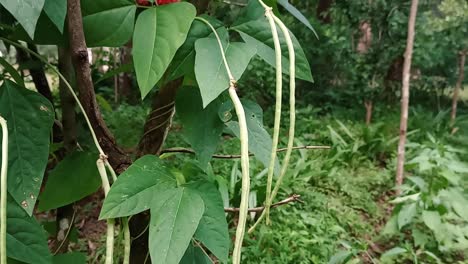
[203, 250]
[66, 234]
[290, 199]
[227, 156]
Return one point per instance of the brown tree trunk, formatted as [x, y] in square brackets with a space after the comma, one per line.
[36, 71]
[79, 54]
[456, 92]
[125, 79]
[405, 94]
[322, 11]
[369, 106]
[65, 219]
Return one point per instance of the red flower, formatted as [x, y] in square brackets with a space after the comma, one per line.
[165, 2]
[143, 2]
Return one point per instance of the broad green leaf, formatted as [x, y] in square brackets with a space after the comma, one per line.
[30, 117]
[56, 10]
[27, 12]
[258, 34]
[173, 222]
[341, 257]
[26, 240]
[184, 59]
[12, 71]
[70, 258]
[259, 140]
[159, 32]
[254, 10]
[213, 228]
[432, 220]
[391, 227]
[210, 70]
[195, 255]
[137, 188]
[297, 14]
[46, 33]
[108, 23]
[201, 127]
[394, 252]
[406, 214]
[69, 182]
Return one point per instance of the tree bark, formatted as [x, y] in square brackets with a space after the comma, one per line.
[159, 121]
[405, 94]
[322, 11]
[456, 92]
[79, 54]
[67, 101]
[36, 71]
[369, 106]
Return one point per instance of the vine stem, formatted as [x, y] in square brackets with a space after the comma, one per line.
[292, 115]
[102, 155]
[244, 141]
[3, 191]
[101, 165]
[125, 220]
[277, 122]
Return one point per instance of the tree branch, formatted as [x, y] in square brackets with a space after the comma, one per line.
[79, 53]
[223, 156]
[290, 199]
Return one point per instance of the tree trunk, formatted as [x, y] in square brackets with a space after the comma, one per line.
[456, 92]
[369, 106]
[65, 219]
[126, 91]
[405, 93]
[323, 7]
[79, 54]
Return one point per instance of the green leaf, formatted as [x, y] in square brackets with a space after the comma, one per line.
[137, 188]
[394, 252]
[254, 10]
[432, 220]
[195, 255]
[406, 214]
[70, 258]
[258, 34]
[159, 32]
[69, 182]
[108, 23]
[56, 10]
[12, 71]
[341, 257]
[30, 117]
[27, 12]
[297, 14]
[213, 228]
[173, 222]
[184, 59]
[26, 240]
[210, 70]
[201, 127]
[259, 140]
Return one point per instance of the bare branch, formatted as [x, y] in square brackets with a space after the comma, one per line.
[290, 199]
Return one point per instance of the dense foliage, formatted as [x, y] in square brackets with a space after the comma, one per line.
[158, 84]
